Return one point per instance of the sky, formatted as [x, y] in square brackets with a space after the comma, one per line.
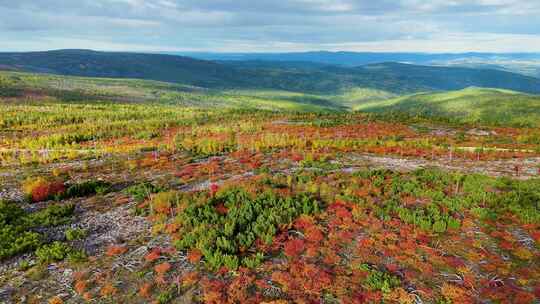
[432, 26]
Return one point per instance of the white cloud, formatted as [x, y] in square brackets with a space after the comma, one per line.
[389, 25]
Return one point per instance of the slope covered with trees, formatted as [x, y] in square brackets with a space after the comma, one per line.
[290, 76]
[471, 105]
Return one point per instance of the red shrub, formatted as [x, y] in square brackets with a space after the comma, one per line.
[213, 189]
[163, 268]
[145, 290]
[114, 250]
[294, 247]
[221, 209]
[155, 254]
[194, 256]
[313, 234]
[80, 286]
[40, 189]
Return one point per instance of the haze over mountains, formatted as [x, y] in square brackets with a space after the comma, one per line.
[524, 63]
[318, 72]
[358, 58]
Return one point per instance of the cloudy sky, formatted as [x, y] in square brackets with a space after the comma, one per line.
[271, 25]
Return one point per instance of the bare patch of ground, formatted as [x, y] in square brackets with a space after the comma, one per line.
[527, 168]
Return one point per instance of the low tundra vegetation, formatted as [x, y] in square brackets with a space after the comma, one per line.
[350, 237]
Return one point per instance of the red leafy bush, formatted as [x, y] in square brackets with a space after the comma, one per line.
[155, 254]
[40, 189]
[314, 234]
[162, 268]
[213, 189]
[114, 250]
[194, 256]
[294, 247]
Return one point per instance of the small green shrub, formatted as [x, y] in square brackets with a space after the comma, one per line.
[25, 265]
[166, 297]
[16, 226]
[253, 261]
[378, 280]
[77, 256]
[142, 191]
[85, 189]
[233, 219]
[14, 235]
[55, 252]
[53, 215]
[439, 226]
[73, 234]
[14, 241]
[453, 223]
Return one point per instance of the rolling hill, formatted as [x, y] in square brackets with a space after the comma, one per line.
[452, 78]
[294, 76]
[175, 69]
[471, 105]
[35, 87]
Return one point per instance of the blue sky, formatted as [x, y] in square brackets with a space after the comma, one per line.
[272, 25]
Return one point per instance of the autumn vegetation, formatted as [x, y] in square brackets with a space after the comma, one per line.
[114, 201]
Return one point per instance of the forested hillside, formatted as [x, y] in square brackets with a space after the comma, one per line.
[289, 76]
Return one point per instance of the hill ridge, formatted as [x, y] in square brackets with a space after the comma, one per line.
[394, 77]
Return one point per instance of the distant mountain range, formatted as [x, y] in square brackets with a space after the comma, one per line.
[524, 63]
[292, 72]
[357, 58]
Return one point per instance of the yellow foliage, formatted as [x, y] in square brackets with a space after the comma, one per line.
[523, 253]
[55, 300]
[399, 295]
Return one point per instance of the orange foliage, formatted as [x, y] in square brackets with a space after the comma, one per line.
[313, 234]
[399, 295]
[162, 268]
[194, 256]
[240, 289]
[160, 280]
[282, 278]
[87, 296]
[190, 278]
[455, 293]
[145, 291]
[294, 247]
[79, 275]
[154, 255]
[108, 290]
[213, 291]
[80, 287]
[312, 250]
[114, 250]
[40, 189]
[172, 228]
[55, 300]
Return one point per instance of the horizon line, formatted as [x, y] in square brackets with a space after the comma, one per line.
[276, 52]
